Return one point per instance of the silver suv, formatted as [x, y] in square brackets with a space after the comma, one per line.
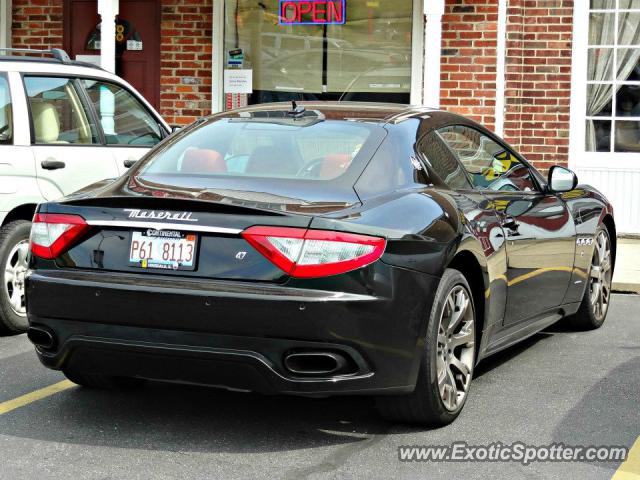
[63, 125]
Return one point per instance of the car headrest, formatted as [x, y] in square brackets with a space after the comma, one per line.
[271, 160]
[46, 123]
[201, 160]
[334, 165]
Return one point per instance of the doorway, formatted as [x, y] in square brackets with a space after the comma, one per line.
[137, 41]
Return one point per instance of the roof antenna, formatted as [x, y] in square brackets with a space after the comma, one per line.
[296, 111]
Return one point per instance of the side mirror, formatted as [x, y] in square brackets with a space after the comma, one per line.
[561, 180]
[175, 128]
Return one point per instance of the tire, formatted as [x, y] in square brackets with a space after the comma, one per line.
[595, 302]
[14, 247]
[101, 382]
[426, 405]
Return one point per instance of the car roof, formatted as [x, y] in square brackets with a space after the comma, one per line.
[12, 63]
[383, 113]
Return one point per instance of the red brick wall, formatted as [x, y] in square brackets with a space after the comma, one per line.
[185, 53]
[37, 24]
[468, 76]
[185, 85]
[538, 79]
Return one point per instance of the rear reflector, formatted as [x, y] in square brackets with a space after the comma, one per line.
[303, 253]
[52, 234]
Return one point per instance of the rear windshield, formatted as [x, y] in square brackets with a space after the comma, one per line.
[313, 151]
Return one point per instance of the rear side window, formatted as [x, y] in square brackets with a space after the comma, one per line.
[442, 162]
[489, 165]
[323, 150]
[58, 115]
[124, 120]
[6, 117]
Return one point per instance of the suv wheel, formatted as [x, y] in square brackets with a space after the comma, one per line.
[14, 250]
[447, 362]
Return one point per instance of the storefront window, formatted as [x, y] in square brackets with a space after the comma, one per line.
[360, 54]
[613, 77]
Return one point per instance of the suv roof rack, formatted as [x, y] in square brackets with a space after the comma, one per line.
[58, 54]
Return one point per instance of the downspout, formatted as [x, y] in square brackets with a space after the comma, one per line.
[5, 24]
[501, 57]
[433, 11]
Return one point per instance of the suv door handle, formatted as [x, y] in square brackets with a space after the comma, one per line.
[129, 163]
[52, 164]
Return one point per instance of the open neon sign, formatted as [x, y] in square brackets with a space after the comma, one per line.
[312, 12]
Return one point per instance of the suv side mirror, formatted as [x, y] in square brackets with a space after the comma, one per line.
[561, 180]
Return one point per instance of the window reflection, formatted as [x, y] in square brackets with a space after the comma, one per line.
[367, 59]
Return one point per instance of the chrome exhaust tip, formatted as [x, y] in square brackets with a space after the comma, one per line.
[41, 337]
[315, 363]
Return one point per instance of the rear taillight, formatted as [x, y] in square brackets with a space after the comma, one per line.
[52, 234]
[306, 253]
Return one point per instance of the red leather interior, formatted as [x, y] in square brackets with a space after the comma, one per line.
[200, 160]
[334, 165]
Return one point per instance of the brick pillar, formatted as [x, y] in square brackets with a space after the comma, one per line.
[37, 24]
[538, 79]
[469, 42]
[185, 60]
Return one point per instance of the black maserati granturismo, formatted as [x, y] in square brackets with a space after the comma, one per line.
[317, 249]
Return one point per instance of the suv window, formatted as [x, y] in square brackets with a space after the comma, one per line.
[58, 115]
[6, 123]
[490, 165]
[124, 119]
[442, 161]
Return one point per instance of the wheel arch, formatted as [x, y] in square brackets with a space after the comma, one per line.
[21, 212]
[610, 225]
[467, 263]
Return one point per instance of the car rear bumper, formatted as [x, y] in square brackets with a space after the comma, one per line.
[231, 334]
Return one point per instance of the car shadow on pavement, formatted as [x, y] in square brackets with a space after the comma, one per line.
[608, 413]
[498, 359]
[195, 419]
[181, 418]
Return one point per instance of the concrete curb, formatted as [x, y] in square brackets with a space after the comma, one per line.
[620, 287]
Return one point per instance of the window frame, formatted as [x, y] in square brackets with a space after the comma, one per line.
[11, 140]
[538, 179]
[85, 99]
[163, 132]
[579, 158]
[81, 97]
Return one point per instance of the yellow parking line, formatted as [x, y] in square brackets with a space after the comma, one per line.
[630, 469]
[9, 405]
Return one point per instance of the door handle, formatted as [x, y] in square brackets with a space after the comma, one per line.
[129, 163]
[510, 223]
[52, 164]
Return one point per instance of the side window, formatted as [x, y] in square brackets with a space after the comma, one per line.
[489, 165]
[442, 162]
[124, 120]
[58, 115]
[6, 119]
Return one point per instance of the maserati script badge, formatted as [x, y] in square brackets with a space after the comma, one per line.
[160, 215]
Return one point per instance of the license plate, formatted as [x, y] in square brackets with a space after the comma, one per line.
[164, 249]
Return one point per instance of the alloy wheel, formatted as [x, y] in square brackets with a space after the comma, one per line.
[14, 273]
[455, 353]
[600, 276]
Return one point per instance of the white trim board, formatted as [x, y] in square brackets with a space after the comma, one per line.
[501, 59]
[5, 24]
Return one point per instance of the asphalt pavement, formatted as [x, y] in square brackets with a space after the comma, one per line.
[560, 386]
